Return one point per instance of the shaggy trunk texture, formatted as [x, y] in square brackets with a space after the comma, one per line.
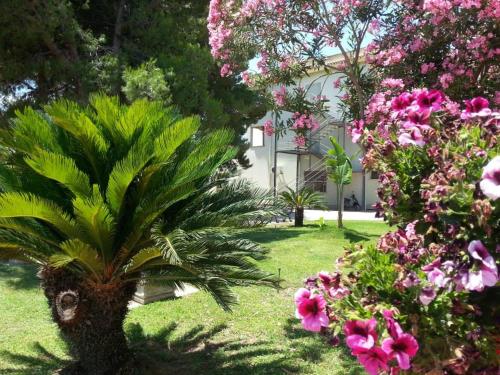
[90, 317]
[299, 216]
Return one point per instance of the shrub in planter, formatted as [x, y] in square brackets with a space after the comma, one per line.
[425, 298]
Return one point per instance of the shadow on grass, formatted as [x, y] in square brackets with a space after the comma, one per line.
[19, 276]
[354, 236]
[270, 234]
[41, 362]
[197, 351]
[319, 346]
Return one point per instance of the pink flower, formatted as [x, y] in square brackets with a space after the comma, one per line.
[425, 68]
[392, 83]
[338, 293]
[403, 348]
[437, 277]
[361, 334]
[245, 77]
[490, 180]
[299, 140]
[481, 275]
[418, 118]
[268, 128]
[336, 83]
[477, 280]
[373, 360]
[280, 96]
[225, 70]
[393, 327]
[479, 252]
[401, 102]
[413, 137]
[311, 309]
[477, 107]
[430, 99]
[356, 130]
[427, 295]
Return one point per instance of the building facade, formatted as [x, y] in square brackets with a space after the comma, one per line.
[296, 167]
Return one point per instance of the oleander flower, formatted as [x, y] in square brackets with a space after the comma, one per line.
[311, 309]
[268, 128]
[490, 180]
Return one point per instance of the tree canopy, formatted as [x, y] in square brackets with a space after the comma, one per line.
[132, 48]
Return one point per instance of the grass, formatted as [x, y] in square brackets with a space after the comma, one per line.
[192, 334]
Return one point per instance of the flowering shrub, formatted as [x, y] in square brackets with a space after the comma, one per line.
[424, 297]
[452, 44]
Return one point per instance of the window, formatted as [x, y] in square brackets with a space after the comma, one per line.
[315, 180]
[257, 136]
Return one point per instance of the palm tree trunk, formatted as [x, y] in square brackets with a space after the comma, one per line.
[299, 216]
[90, 318]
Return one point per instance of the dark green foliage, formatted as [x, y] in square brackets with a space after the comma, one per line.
[74, 47]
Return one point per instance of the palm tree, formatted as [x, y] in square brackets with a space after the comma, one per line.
[340, 171]
[103, 196]
[298, 200]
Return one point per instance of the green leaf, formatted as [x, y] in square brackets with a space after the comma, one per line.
[61, 169]
[174, 136]
[29, 205]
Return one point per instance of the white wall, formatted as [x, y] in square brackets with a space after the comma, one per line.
[262, 158]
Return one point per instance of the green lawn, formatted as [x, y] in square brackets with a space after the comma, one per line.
[192, 335]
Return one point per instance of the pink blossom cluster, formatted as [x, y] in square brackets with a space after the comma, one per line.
[410, 114]
[362, 338]
[409, 49]
[312, 301]
[268, 128]
[280, 96]
[304, 121]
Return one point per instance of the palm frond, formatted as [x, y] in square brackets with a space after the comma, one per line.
[123, 173]
[30, 206]
[175, 135]
[61, 169]
[97, 221]
[80, 252]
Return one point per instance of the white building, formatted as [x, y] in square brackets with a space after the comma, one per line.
[299, 167]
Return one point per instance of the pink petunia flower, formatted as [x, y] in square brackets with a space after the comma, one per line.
[311, 309]
[437, 277]
[412, 137]
[361, 334]
[401, 102]
[490, 180]
[477, 280]
[430, 99]
[393, 327]
[427, 295]
[374, 360]
[403, 348]
[479, 252]
[477, 107]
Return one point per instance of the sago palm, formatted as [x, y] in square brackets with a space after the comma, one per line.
[106, 195]
[298, 200]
